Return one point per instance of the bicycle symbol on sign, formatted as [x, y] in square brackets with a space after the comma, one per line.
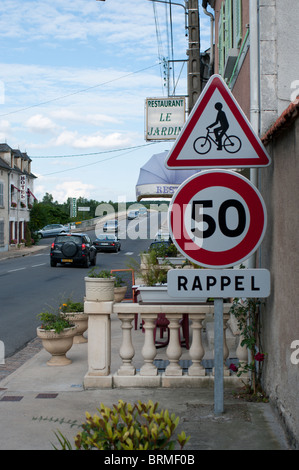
[231, 143]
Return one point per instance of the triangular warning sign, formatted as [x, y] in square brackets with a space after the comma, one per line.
[217, 134]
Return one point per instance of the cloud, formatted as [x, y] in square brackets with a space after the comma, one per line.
[110, 141]
[41, 124]
[75, 189]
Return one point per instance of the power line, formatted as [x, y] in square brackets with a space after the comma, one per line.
[93, 153]
[79, 91]
[90, 164]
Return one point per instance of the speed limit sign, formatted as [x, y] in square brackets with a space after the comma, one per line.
[217, 218]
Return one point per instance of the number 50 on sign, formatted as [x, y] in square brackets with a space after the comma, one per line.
[217, 218]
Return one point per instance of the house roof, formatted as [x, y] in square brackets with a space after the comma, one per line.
[5, 148]
[4, 165]
[283, 122]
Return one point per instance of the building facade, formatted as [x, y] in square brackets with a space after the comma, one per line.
[257, 54]
[16, 196]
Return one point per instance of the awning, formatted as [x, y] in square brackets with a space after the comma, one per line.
[157, 181]
[31, 194]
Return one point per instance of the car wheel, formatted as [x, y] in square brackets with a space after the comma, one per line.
[53, 263]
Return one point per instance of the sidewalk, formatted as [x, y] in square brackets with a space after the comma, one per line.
[37, 400]
[20, 252]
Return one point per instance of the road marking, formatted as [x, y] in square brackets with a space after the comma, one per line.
[129, 253]
[36, 265]
[13, 270]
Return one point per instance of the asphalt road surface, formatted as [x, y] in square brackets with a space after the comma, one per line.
[29, 285]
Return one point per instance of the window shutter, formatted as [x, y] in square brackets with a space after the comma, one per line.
[221, 51]
[237, 22]
[228, 26]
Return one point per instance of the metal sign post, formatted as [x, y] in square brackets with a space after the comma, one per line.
[218, 356]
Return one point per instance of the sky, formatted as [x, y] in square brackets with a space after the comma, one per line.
[74, 77]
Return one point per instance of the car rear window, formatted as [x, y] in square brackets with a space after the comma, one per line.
[68, 238]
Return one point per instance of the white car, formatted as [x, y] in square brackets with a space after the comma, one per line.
[133, 215]
[143, 211]
[162, 236]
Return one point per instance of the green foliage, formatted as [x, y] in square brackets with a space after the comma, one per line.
[163, 251]
[247, 312]
[102, 274]
[70, 306]
[119, 282]
[127, 427]
[52, 321]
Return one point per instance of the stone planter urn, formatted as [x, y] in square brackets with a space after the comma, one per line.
[98, 289]
[57, 344]
[80, 320]
[119, 293]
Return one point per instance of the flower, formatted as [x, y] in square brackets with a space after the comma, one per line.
[70, 306]
[233, 368]
[259, 357]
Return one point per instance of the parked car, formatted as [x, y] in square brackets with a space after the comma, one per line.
[132, 215]
[52, 230]
[74, 248]
[107, 242]
[111, 226]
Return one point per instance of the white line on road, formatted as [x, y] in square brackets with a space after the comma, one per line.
[36, 265]
[13, 270]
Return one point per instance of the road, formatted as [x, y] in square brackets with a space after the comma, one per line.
[29, 285]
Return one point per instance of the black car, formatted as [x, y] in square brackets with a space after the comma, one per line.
[74, 248]
[107, 242]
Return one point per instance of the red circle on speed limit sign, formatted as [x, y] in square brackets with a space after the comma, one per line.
[217, 218]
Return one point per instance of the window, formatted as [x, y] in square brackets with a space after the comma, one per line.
[1, 194]
[1, 232]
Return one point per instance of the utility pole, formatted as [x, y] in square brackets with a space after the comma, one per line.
[194, 81]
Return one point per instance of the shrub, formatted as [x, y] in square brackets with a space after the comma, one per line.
[127, 427]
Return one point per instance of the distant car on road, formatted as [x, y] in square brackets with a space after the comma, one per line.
[74, 248]
[52, 230]
[143, 211]
[107, 242]
[111, 226]
[133, 215]
[162, 236]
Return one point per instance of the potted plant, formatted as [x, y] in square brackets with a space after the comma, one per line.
[169, 255]
[99, 286]
[154, 283]
[120, 289]
[56, 333]
[74, 312]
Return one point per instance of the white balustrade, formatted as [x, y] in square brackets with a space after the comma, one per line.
[145, 350]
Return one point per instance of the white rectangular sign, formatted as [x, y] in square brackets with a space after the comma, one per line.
[165, 117]
[218, 283]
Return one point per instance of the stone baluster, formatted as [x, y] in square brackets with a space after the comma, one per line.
[149, 350]
[196, 351]
[174, 350]
[126, 351]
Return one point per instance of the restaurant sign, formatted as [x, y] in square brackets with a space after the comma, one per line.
[164, 117]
